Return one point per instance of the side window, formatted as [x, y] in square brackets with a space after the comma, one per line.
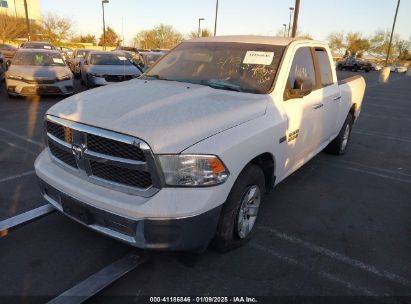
[325, 67]
[302, 72]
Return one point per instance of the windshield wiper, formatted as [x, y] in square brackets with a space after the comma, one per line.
[222, 85]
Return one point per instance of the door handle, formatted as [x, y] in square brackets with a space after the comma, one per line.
[337, 98]
[318, 106]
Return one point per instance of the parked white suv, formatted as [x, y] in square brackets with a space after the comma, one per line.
[184, 155]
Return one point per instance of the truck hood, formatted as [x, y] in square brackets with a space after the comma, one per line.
[169, 116]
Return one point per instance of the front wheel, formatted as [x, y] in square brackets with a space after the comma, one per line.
[240, 211]
[340, 144]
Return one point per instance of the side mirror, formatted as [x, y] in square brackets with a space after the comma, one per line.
[301, 89]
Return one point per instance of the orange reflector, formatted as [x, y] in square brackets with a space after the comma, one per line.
[216, 165]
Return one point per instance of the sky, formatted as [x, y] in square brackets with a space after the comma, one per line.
[236, 17]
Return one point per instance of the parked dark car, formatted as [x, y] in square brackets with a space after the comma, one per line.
[354, 64]
[8, 51]
[75, 62]
[127, 48]
[38, 45]
[3, 66]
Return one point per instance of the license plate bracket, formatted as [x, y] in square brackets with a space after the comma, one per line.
[78, 211]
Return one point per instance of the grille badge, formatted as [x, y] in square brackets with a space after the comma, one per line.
[77, 151]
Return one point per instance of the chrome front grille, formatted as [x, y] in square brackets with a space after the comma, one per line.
[107, 158]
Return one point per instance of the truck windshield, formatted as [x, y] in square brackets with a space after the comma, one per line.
[243, 67]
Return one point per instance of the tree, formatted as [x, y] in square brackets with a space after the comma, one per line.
[112, 38]
[204, 33]
[55, 28]
[11, 27]
[160, 37]
[337, 42]
[402, 46]
[88, 38]
[379, 42]
[356, 45]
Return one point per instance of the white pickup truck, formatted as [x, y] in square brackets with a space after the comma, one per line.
[184, 155]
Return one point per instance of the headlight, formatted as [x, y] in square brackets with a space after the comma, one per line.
[96, 75]
[193, 170]
[65, 77]
[14, 77]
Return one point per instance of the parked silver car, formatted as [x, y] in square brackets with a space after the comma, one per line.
[151, 57]
[38, 72]
[102, 68]
[135, 59]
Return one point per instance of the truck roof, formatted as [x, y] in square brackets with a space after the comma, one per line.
[251, 39]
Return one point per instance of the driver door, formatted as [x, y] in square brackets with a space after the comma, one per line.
[303, 111]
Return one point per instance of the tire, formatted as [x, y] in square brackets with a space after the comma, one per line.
[367, 70]
[249, 184]
[340, 144]
[355, 69]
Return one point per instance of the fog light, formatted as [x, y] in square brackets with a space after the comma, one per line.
[11, 89]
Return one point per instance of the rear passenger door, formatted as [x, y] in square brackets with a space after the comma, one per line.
[330, 93]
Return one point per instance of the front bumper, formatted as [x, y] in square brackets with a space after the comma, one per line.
[173, 219]
[19, 87]
[177, 234]
[95, 81]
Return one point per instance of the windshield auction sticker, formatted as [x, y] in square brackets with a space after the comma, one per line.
[254, 57]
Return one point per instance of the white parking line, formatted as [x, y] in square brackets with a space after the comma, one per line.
[384, 117]
[393, 172]
[373, 133]
[98, 281]
[338, 256]
[366, 105]
[326, 275]
[24, 218]
[21, 148]
[380, 172]
[21, 137]
[9, 178]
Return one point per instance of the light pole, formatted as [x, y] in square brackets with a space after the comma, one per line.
[199, 26]
[216, 15]
[392, 32]
[285, 29]
[289, 22]
[104, 24]
[27, 20]
[295, 22]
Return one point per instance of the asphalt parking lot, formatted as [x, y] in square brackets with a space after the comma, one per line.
[340, 226]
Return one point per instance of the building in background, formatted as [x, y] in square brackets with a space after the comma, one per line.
[16, 8]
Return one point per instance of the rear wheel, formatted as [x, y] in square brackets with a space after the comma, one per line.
[240, 211]
[340, 144]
